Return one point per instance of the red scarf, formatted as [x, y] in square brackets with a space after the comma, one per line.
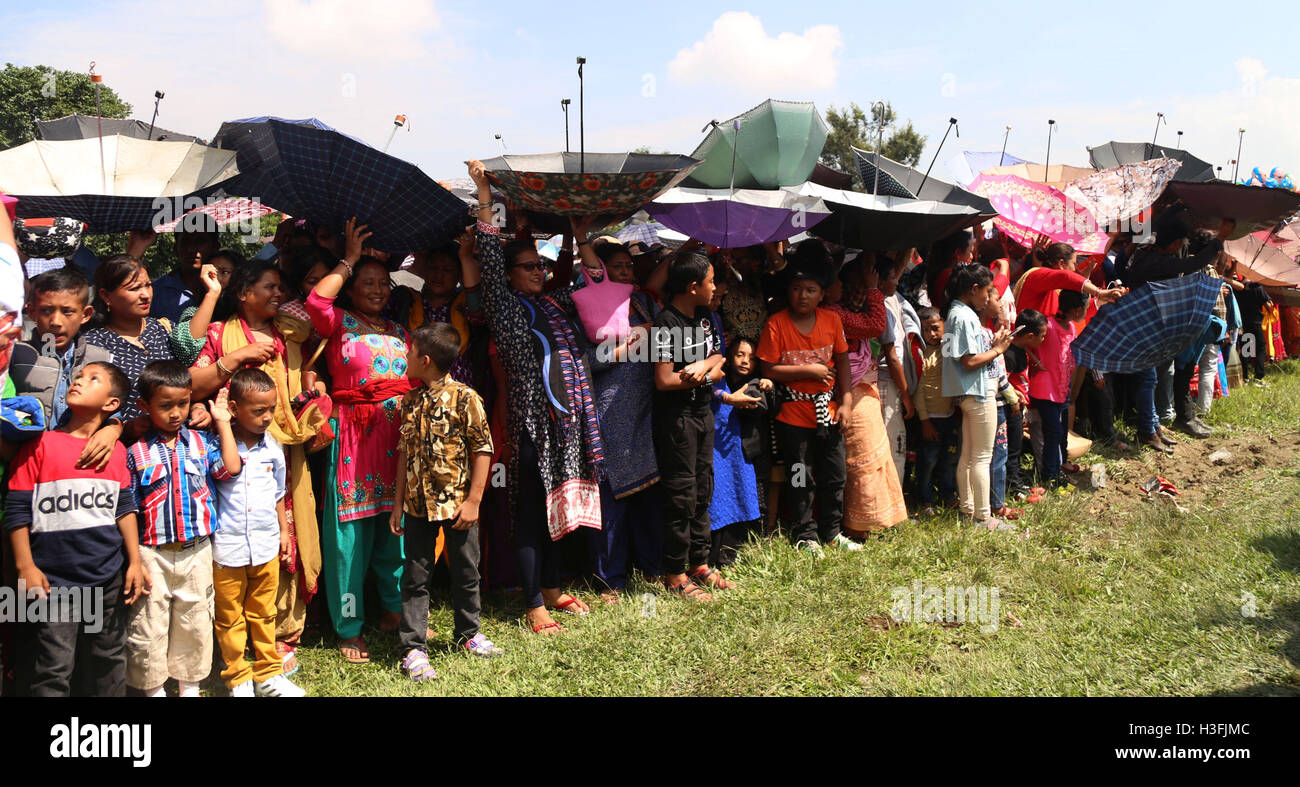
[370, 394]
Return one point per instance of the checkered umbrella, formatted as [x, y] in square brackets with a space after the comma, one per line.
[133, 182]
[309, 170]
[1148, 326]
[641, 232]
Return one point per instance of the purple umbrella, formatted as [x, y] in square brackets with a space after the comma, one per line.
[731, 219]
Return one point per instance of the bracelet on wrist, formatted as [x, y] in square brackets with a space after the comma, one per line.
[221, 367]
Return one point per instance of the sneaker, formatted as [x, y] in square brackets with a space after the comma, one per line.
[244, 689]
[995, 525]
[416, 665]
[279, 686]
[811, 547]
[482, 647]
[1192, 428]
[845, 543]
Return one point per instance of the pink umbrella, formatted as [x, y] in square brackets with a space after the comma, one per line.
[1263, 263]
[225, 211]
[1028, 209]
[1286, 239]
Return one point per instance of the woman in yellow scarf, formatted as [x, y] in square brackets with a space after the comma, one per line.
[255, 334]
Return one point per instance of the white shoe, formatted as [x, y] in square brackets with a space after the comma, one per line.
[847, 544]
[244, 689]
[279, 686]
[811, 547]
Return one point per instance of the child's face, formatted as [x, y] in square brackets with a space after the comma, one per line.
[932, 331]
[742, 359]
[804, 296]
[719, 292]
[167, 409]
[979, 297]
[992, 308]
[92, 389]
[418, 366]
[702, 291]
[1029, 341]
[254, 411]
[59, 314]
[225, 269]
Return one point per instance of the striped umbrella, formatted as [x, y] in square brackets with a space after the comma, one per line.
[1148, 326]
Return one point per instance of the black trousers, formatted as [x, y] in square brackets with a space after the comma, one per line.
[814, 463]
[531, 536]
[1100, 406]
[64, 659]
[1258, 359]
[684, 450]
[1184, 404]
[462, 549]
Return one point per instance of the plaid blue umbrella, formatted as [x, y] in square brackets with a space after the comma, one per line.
[1148, 326]
[310, 171]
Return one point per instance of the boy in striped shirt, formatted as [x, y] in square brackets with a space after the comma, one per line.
[170, 635]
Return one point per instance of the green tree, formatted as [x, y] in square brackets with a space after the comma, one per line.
[31, 93]
[852, 128]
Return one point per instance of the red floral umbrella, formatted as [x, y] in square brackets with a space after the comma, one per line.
[1027, 209]
[612, 185]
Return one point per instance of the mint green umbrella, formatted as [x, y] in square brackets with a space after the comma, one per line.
[780, 142]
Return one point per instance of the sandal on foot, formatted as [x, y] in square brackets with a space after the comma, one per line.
[712, 578]
[690, 590]
[547, 627]
[569, 604]
[288, 657]
[1008, 513]
[356, 645]
[417, 666]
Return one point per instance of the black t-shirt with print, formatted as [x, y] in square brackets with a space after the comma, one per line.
[683, 340]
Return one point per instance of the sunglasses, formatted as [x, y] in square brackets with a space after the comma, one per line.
[531, 267]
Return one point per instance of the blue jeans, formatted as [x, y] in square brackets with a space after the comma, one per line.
[632, 527]
[998, 467]
[1055, 437]
[1144, 402]
[938, 458]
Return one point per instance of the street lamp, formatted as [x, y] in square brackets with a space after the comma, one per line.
[582, 139]
[564, 105]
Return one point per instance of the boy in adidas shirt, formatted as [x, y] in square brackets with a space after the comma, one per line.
[75, 528]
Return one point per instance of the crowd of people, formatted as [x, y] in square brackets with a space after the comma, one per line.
[243, 446]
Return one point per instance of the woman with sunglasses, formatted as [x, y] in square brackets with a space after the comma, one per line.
[554, 451]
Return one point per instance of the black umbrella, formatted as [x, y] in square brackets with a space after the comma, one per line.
[87, 126]
[1254, 208]
[864, 221]
[899, 180]
[1114, 154]
[311, 171]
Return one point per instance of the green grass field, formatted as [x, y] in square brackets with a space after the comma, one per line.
[1101, 593]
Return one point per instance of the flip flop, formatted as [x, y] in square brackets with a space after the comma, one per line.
[355, 644]
[569, 607]
[546, 626]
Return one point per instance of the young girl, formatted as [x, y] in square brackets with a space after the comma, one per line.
[965, 354]
[1049, 384]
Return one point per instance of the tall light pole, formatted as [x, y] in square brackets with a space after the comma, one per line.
[952, 124]
[582, 139]
[398, 122]
[1047, 163]
[1002, 159]
[1241, 132]
[157, 98]
[564, 105]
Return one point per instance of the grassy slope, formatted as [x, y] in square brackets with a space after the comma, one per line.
[1116, 594]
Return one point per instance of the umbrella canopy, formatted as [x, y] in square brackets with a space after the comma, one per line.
[1287, 239]
[968, 164]
[905, 181]
[780, 142]
[831, 177]
[744, 217]
[88, 126]
[230, 210]
[1253, 207]
[1113, 195]
[1114, 154]
[640, 229]
[1264, 263]
[310, 171]
[64, 178]
[1028, 208]
[1055, 175]
[614, 185]
[864, 221]
[1148, 326]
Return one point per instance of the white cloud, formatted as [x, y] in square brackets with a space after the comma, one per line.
[738, 52]
[376, 29]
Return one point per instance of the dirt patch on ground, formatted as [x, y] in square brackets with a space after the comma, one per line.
[1198, 480]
